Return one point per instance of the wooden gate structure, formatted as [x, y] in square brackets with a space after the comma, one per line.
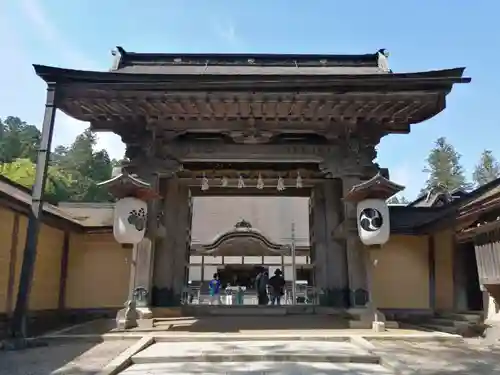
[250, 124]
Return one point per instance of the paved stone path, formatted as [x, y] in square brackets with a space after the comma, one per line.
[256, 368]
[203, 346]
[255, 357]
[62, 358]
[470, 357]
[240, 351]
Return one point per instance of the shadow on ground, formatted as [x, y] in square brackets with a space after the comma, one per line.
[62, 358]
[220, 324]
[236, 324]
[435, 358]
[248, 368]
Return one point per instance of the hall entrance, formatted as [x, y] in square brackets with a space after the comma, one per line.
[239, 275]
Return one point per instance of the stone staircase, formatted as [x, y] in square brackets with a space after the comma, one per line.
[468, 324]
[259, 311]
[255, 355]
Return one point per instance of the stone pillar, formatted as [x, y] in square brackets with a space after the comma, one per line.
[141, 291]
[143, 257]
[139, 295]
[170, 253]
[361, 265]
[330, 258]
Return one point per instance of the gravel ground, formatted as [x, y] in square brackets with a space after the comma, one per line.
[62, 358]
[434, 358]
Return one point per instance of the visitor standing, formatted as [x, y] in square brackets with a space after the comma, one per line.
[214, 289]
[277, 284]
[261, 286]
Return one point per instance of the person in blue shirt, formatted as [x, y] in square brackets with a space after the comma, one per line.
[214, 289]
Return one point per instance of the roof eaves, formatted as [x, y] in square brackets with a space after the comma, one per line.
[440, 77]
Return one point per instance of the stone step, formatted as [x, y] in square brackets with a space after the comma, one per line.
[255, 351]
[464, 329]
[255, 310]
[441, 328]
[256, 368]
[473, 317]
[449, 322]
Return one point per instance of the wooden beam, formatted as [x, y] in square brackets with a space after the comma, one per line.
[470, 233]
[267, 191]
[480, 202]
[476, 213]
[250, 183]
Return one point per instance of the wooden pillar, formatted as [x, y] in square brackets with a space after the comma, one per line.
[317, 240]
[329, 251]
[358, 289]
[170, 253]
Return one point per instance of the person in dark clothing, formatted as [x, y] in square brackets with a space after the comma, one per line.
[261, 287]
[277, 284]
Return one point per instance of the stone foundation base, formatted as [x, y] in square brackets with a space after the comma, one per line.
[378, 327]
[359, 324]
[364, 318]
[144, 313]
[167, 312]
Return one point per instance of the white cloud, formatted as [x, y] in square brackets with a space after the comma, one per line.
[46, 30]
[67, 128]
[112, 144]
[226, 31]
[403, 174]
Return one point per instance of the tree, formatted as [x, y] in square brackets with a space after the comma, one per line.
[74, 171]
[18, 140]
[487, 169]
[58, 155]
[444, 168]
[86, 166]
[22, 171]
[398, 200]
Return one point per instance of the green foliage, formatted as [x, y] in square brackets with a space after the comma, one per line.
[444, 168]
[88, 167]
[487, 169]
[74, 171]
[22, 171]
[18, 140]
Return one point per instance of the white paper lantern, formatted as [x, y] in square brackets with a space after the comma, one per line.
[130, 218]
[373, 221]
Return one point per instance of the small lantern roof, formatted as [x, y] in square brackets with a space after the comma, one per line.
[378, 187]
[125, 185]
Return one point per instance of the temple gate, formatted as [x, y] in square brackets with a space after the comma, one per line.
[212, 124]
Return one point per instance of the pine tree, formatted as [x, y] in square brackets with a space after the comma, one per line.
[444, 168]
[487, 169]
[88, 168]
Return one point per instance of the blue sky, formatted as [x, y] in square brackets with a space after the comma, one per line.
[420, 35]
